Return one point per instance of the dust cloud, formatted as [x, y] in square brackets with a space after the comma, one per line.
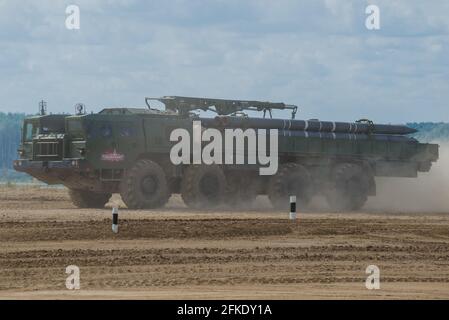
[427, 193]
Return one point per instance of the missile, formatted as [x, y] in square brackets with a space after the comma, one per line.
[306, 125]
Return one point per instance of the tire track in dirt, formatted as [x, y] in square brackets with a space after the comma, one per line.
[50, 258]
[213, 229]
[212, 249]
[184, 266]
[137, 229]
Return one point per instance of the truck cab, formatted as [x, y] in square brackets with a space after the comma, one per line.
[41, 138]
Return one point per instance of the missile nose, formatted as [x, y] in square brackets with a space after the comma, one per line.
[411, 130]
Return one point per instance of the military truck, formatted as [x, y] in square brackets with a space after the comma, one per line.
[127, 151]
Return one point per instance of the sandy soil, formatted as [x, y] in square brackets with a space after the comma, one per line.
[177, 253]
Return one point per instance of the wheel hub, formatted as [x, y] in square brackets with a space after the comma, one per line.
[149, 185]
[209, 185]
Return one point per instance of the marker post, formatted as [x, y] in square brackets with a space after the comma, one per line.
[115, 219]
[292, 214]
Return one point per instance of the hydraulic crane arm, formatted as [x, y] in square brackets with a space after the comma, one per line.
[183, 105]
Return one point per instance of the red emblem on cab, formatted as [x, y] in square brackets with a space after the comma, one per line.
[113, 156]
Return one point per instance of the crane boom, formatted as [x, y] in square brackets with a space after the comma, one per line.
[183, 105]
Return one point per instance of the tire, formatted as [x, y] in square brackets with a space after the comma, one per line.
[145, 186]
[349, 187]
[291, 179]
[203, 186]
[88, 199]
[242, 190]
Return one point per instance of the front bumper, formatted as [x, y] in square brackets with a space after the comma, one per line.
[30, 165]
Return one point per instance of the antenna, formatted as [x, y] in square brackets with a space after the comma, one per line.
[42, 108]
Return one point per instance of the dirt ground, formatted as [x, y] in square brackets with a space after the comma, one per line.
[177, 253]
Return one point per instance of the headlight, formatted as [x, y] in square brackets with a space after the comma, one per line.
[74, 163]
[82, 151]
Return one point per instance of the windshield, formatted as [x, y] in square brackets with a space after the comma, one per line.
[43, 125]
[51, 124]
[99, 129]
[30, 131]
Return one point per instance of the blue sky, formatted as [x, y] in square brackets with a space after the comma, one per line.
[317, 54]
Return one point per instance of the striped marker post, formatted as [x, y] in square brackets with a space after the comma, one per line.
[292, 208]
[115, 219]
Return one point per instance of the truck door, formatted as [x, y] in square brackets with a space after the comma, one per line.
[100, 143]
[128, 137]
[115, 144]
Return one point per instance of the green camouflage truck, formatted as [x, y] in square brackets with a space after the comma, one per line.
[128, 151]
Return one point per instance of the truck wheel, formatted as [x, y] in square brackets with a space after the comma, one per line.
[203, 186]
[292, 179]
[349, 187]
[242, 190]
[88, 199]
[144, 186]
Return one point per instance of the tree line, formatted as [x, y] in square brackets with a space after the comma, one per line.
[10, 134]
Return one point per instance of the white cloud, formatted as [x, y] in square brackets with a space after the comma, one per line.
[317, 54]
